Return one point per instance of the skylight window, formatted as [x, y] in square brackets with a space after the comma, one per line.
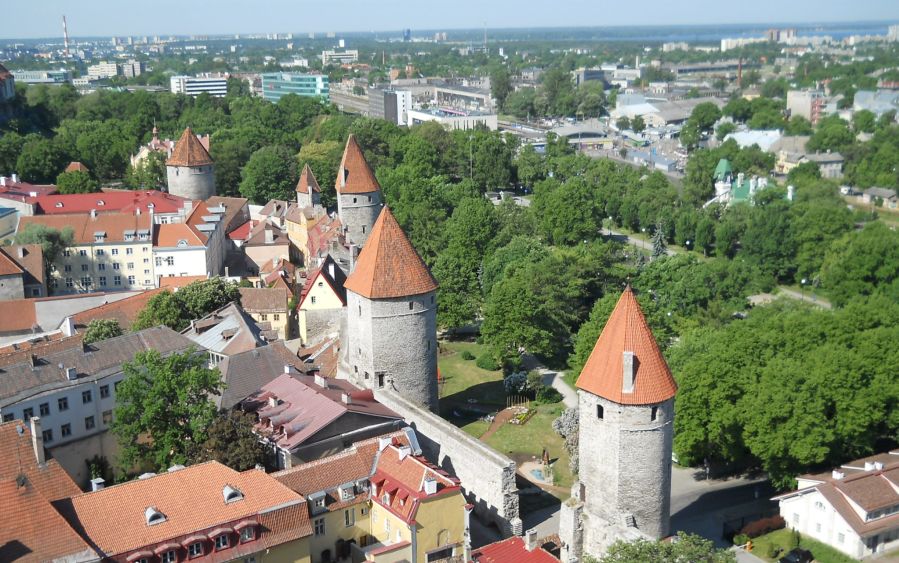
[153, 516]
[231, 494]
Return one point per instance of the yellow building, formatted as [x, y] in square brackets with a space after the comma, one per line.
[378, 501]
[321, 301]
[268, 305]
[110, 251]
[302, 216]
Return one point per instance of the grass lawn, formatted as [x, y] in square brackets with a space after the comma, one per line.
[781, 538]
[522, 442]
[463, 380]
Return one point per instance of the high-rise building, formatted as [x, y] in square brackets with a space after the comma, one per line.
[278, 84]
[340, 57]
[195, 85]
[806, 103]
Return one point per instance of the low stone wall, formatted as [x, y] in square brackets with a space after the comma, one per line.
[488, 477]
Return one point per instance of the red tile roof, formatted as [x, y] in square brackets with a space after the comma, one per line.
[307, 181]
[398, 482]
[76, 167]
[189, 151]
[18, 315]
[263, 299]
[124, 311]
[23, 191]
[511, 550]
[627, 331]
[84, 226]
[29, 257]
[110, 200]
[242, 232]
[170, 235]
[388, 265]
[355, 175]
[173, 282]
[8, 266]
[50, 479]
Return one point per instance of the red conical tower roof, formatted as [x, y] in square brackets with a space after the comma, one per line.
[626, 331]
[354, 175]
[307, 181]
[189, 151]
[388, 265]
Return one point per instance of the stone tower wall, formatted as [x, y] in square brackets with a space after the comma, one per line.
[308, 200]
[358, 213]
[625, 464]
[397, 337]
[191, 182]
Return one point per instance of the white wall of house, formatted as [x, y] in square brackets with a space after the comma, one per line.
[186, 261]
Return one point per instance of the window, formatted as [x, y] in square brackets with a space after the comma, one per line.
[321, 284]
[195, 549]
[86, 281]
[264, 317]
[116, 266]
[320, 502]
[8, 417]
[818, 527]
[313, 300]
[65, 430]
[387, 524]
[169, 260]
[48, 435]
[89, 423]
[82, 252]
[599, 412]
[169, 557]
[70, 282]
[221, 542]
[247, 534]
[101, 266]
[67, 268]
[841, 537]
[158, 261]
[27, 414]
[130, 265]
[63, 404]
[131, 280]
[117, 280]
[54, 283]
[115, 251]
[277, 317]
[44, 409]
[411, 305]
[84, 267]
[363, 228]
[146, 260]
[86, 397]
[100, 252]
[380, 380]
[103, 281]
[654, 413]
[129, 251]
[104, 391]
[107, 418]
[146, 272]
[795, 518]
[66, 253]
[349, 517]
[319, 526]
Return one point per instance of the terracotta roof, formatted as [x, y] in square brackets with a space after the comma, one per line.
[170, 235]
[76, 167]
[8, 266]
[324, 355]
[355, 175]
[177, 282]
[388, 265]
[30, 258]
[31, 530]
[125, 311]
[109, 201]
[263, 300]
[25, 192]
[307, 181]
[50, 479]
[242, 232]
[189, 151]
[191, 499]
[84, 226]
[30, 344]
[511, 550]
[322, 234]
[626, 331]
[19, 315]
[401, 476]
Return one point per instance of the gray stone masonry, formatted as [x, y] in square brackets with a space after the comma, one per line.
[625, 466]
[488, 477]
[358, 213]
[571, 530]
[197, 182]
[392, 344]
[11, 287]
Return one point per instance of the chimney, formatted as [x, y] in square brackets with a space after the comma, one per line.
[71, 374]
[68, 326]
[837, 474]
[2, 180]
[269, 236]
[383, 442]
[630, 372]
[404, 451]
[287, 368]
[97, 484]
[15, 178]
[227, 272]
[346, 398]
[430, 484]
[37, 440]
[21, 252]
[878, 466]
[530, 539]
[321, 381]
[869, 466]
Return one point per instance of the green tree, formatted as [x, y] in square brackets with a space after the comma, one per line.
[705, 115]
[76, 182]
[832, 134]
[163, 409]
[798, 125]
[623, 123]
[690, 135]
[231, 440]
[151, 174]
[659, 248]
[637, 124]
[11, 144]
[740, 109]
[500, 84]
[102, 329]
[724, 130]
[40, 160]
[52, 241]
[863, 121]
[194, 301]
[688, 547]
[862, 263]
[271, 173]
[323, 158]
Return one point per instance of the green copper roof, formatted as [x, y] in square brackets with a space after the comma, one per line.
[723, 169]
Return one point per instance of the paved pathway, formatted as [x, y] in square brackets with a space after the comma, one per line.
[553, 378]
[501, 418]
[806, 296]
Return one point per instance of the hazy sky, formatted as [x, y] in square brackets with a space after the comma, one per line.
[42, 18]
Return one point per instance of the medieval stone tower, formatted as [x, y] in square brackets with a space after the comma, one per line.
[391, 330]
[358, 194]
[190, 169]
[308, 191]
[626, 416]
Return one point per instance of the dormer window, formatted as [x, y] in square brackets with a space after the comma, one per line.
[195, 550]
[320, 502]
[231, 494]
[221, 542]
[153, 516]
[182, 243]
[346, 493]
[385, 498]
[247, 534]
[59, 204]
[101, 203]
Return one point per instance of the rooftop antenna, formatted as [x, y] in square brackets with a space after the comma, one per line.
[485, 38]
[65, 36]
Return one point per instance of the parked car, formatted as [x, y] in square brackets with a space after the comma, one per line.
[797, 555]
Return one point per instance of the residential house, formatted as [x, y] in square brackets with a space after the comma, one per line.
[237, 210]
[226, 332]
[124, 311]
[245, 373]
[515, 550]
[265, 243]
[192, 247]
[165, 207]
[306, 417]
[854, 508]
[71, 386]
[884, 196]
[109, 251]
[22, 272]
[268, 305]
[207, 511]
[791, 152]
[322, 300]
[21, 196]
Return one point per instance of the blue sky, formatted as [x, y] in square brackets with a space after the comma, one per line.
[41, 18]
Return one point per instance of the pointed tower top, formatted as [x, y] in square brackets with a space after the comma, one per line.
[307, 182]
[388, 265]
[189, 151]
[354, 175]
[626, 365]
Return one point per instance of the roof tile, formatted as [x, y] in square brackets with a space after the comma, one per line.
[355, 175]
[189, 151]
[307, 181]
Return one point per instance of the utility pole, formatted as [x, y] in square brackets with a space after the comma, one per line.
[65, 36]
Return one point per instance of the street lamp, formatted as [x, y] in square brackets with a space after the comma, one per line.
[610, 226]
[687, 245]
[644, 237]
[802, 287]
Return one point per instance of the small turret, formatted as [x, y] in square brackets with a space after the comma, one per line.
[358, 194]
[308, 190]
[190, 170]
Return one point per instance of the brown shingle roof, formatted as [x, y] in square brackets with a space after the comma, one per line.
[76, 167]
[50, 479]
[189, 151]
[191, 499]
[263, 299]
[8, 266]
[627, 331]
[18, 315]
[388, 265]
[307, 181]
[31, 261]
[355, 175]
[124, 311]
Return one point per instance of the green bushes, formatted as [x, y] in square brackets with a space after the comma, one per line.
[466, 355]
[487, 361]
